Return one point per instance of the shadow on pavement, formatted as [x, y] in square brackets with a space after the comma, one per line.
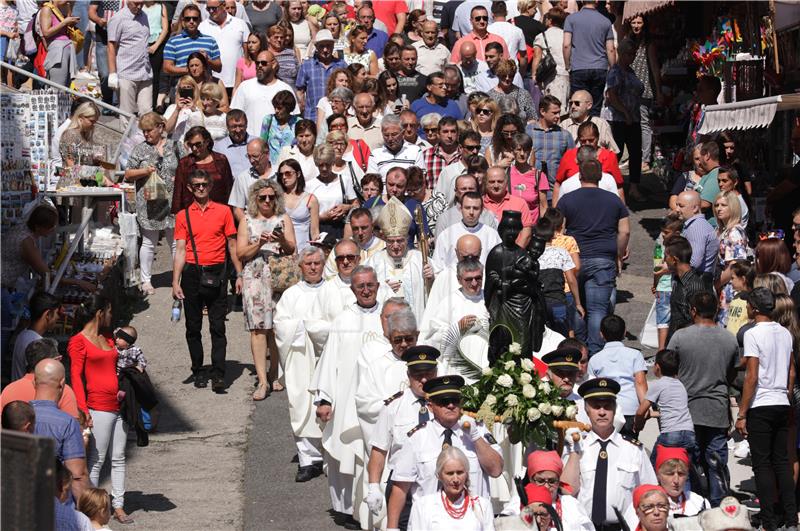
[139, 501]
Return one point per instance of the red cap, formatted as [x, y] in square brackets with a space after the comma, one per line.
[538, 494]
[665, 453]
[641, 490]
[541, 461]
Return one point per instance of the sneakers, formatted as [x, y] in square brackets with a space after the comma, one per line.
[742, 449]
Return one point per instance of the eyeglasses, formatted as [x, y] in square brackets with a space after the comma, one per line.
[430, 129]
[412, 125]
[477, 279]
[647, 509]
[211, 9]
[287, 173]
[195, 144]
[550, 482]
[481, 19]
[577, 102]
[266, 197]
[486, 112]
[506, 76]
[476, 147]
[399, 340]
[191, 19]
[348, 257]
[199, 186]
[263, 63]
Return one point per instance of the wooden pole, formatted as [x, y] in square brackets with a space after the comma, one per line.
[774, 36]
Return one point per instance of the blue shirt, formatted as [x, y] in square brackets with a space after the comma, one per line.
[549, 146]
[590, 31]
[59, 426]
[445, 107]
[312, 77]
[703, 239]
[620, 363]
[181, 46]
[64, 517]
[592, 217]
[377, 41]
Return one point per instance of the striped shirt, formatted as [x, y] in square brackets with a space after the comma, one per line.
[705, 244]
[382, 160]
[131, 33]
[181, 46]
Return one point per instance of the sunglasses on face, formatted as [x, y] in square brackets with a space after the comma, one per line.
[211, 9]
[266, 197]
[263, 63]
[199, 186]
[481, 19]
[411, 125]
[430, 129]
[472, 148]
[486, 112]
[348, 257]
[575, 102]
[193, 145]
[399, 340]
[447, 400]
[191, 19]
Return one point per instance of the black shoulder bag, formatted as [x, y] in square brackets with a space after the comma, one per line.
[208, 279]
[547, 65]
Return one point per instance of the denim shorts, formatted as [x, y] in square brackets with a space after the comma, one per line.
[662, 309]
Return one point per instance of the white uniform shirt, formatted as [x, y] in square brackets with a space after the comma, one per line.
[394, 422]
[628, 467]
[416, 462]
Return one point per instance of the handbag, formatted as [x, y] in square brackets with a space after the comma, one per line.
[74, 34]
[284, 271]
[208, 279]
[547, 66]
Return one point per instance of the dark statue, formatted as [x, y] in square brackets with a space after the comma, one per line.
[513, 293]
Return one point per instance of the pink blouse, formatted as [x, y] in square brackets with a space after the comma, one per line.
[248, 72]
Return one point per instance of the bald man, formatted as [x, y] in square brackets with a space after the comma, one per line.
[467, 246]
[258, 155]
[471, 67]
[49, 381]
[579, 106]
[701, 235]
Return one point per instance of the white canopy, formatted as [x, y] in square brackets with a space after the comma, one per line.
[750, 114]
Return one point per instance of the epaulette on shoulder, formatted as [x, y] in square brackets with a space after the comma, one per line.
[416, 428]
[631, 439]
[392, 398]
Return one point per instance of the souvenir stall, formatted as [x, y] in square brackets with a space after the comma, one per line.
[88, 244]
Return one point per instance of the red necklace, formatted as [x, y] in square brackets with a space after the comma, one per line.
[456, 513]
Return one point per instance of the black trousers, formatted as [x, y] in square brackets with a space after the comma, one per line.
[405, 514]
[631, 136]
[215, 299]
[156, 61]
[768, 435]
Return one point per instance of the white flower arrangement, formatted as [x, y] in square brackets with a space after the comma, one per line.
[504, 380]
[533, 414]
[512, 400]
[509, 365]
[546, 408]
[527, 365]
[515, 349]
[528, 391]
[525, 378]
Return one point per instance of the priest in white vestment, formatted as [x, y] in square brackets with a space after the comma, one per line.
[459, 324]
[446, 281]
[361, 229]
[381, 374]
[333, 386]
[399, 268]
[471, 208]
[298, 359]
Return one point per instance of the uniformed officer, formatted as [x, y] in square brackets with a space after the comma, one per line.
[605, 466]
[402, 411]
[562, 370]
[415, 467]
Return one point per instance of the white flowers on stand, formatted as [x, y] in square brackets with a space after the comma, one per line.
[505, 380]
[545, 408]
[528, 391]
[534, 414]
[515, 349]
[512, 400]
[526, 364]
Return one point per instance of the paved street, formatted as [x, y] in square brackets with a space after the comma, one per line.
[223, 462]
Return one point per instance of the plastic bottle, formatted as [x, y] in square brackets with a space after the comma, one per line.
[176, 311]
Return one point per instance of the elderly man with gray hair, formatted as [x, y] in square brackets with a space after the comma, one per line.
[572, 183]
[579, 106]
[364, 126]
[396, 151]
[298, 359]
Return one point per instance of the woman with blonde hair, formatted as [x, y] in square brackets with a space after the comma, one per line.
[157, 155]
[484, 119]
[187, 100]
[451, 507]
[507, 91]
[733, 245]
[210, 115]
[77, 144]
[335, 194]
[265, 231]
[280, 43]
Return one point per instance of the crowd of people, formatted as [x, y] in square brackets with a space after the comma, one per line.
[344, 169]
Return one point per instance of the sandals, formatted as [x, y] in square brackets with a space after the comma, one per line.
[123, 518]
[277, 386]
[262, 392]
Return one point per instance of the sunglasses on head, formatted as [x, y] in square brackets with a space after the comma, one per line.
[779, 234]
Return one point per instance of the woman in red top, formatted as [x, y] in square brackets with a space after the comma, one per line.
[93, 367]
[201, 157]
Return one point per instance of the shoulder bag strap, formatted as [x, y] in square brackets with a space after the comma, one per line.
[547, 44]
[191, 238]
[341, 184]
[363, 163]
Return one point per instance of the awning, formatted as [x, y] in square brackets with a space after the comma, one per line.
[642, 7]
[750, 114]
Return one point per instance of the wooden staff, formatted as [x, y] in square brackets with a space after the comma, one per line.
[557, 424]
[422, 238]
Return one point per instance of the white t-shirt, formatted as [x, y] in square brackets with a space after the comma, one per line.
[255, 99]
[230, 37]
[772, 345]
[555, 40]
[513, 35]
[180, 123]
[329, 195]
[217, 126]
[571, 184]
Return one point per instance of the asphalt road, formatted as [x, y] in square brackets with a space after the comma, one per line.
[223, 462]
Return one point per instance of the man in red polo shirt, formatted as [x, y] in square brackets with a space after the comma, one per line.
[199, 276]
[588, 134]
[497, 200]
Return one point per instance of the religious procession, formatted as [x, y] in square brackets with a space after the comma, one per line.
[510, 265]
